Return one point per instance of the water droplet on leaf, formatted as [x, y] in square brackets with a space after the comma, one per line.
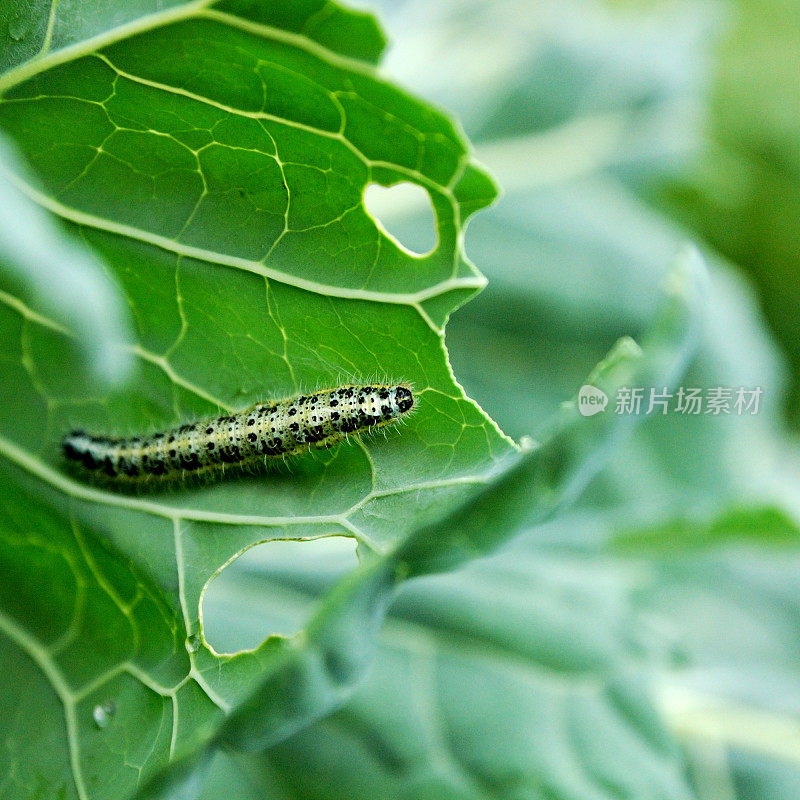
[102, 713]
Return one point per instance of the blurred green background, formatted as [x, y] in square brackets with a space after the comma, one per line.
[741, 189]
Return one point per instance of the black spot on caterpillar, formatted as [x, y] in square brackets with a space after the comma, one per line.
[264, 431]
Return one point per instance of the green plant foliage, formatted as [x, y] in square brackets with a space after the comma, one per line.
[214, 156]
[479, 692]
[207, 161]
[644, 645]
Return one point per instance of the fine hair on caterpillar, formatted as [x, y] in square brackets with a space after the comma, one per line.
[264, 432]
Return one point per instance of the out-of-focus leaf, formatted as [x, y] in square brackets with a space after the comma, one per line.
[575, 447]
[573, 675]
[573, 259]
[53, 274]
[733, 700]
[489, 684]
[631, 77]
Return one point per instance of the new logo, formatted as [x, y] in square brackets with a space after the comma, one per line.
[591, 400]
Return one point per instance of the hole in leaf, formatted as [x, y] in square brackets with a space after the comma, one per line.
[405, 214]
[272, 588]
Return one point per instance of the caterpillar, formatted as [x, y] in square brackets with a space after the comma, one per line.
[264, 431]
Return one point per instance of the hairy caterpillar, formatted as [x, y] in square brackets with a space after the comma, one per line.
[264, 431]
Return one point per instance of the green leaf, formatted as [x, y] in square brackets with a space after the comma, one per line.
[102, 683]
[215, 157]
[534, 673]
[730, 616]
[520, 676]
[36, 31]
